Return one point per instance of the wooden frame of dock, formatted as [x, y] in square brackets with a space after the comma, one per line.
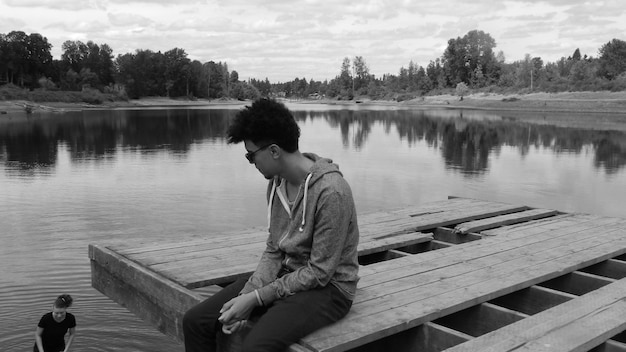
[459, 275]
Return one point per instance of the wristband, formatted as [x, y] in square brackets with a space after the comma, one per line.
[258, 298]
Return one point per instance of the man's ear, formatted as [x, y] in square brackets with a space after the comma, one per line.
[275, 151]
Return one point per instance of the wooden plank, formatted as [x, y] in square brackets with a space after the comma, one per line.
[219, 276]
[425, 208]
[394, 274]
[434, 245]
[163, 317]
[167, 261]
[143, 292]
[186, 262]
[502, 220]
[194, 269]
[614, 269]
[480, 319]
[584, 334]
[371, 224]
[469, 256]
[430, 216]
[577, 325]
[398, 317]
[430, 222]
[381, 256]
[144, 280]
[556, 222]
[191, 265]
[187, 273]
[621, 337]
[180, 259]
[577, 283]
[133, 248]
[379, 224]
[393, 242]
[448, 235]
[433, 337]
[419, 279]
[513, 239]
[218, 256]
[509, 265]
[390, 227]
[385, 307]
[533, 300]
[398, 312]
[428, 337]
[469, 206]
[182, 250]
[610, 346]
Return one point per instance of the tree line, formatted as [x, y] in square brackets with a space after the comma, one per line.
[26, 61]
[469, 61]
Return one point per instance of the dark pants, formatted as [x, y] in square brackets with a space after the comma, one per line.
[278, 326]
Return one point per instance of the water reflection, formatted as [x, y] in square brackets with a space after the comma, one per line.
[466, 142]
[69, 180]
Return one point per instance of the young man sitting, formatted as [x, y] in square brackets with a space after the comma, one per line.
[307, 276]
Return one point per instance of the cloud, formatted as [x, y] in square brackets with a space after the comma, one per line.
[159, 2]
[129, 19]
[78, 27]
[50, 4]
[9, 24]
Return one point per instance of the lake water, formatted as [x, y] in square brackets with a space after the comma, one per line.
[68, 180]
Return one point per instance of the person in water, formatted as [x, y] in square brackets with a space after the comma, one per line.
[53, 326]
[307, 276]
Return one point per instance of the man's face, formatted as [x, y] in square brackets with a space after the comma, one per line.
[260, 156]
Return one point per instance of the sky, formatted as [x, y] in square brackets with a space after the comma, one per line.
[284, 39]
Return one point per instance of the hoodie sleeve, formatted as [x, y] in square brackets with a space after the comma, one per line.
[331, 222]
[267, 269]
[271, 259]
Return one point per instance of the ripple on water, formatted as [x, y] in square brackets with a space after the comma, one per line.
[103, 325]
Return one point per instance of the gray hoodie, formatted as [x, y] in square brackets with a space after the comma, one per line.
[311, 243]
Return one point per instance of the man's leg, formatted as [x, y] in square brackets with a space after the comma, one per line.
[290, 319]
[200, 324]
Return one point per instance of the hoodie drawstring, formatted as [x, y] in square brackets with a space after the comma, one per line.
[304, 201]
[306, 188]
[269, 207]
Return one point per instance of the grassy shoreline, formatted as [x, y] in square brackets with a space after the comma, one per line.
[574, 102]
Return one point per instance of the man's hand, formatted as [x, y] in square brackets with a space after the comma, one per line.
[238, 308]
[234, 327]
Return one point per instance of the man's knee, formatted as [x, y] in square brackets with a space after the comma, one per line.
[190, 318]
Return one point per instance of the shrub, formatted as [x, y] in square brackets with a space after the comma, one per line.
[403, 97]
[92, 96]
[511, 99]
[46, 84]
[10, 91]
[461, 89]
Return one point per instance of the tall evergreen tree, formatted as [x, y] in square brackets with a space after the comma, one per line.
[612, 59]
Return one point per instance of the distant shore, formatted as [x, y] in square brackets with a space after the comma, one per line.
[590, 102]
[574, 102]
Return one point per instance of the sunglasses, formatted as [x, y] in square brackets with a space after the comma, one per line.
[250, 155]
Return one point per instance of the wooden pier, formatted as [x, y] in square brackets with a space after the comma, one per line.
[458, 275]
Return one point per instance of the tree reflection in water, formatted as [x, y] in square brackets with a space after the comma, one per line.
[466, 144]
